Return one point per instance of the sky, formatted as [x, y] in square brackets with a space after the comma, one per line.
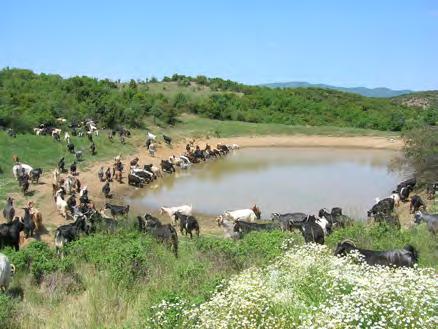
[371, 43]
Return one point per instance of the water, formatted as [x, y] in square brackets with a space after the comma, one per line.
[279, 180]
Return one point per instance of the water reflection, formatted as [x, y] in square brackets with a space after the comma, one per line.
[280, 179]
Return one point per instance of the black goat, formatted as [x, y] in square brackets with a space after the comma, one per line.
[407, 256]
[187, 224]
[416, 203]
[385, 206]
[289, 221]
[9, 210]
[10, 234]
[167, 139]
[117, 210]
[246, 227]
[163, 233]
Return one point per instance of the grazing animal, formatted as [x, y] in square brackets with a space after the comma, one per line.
[228, 227]
[29, 225]
[134, 162]
[106, 190]
[10, 234]
[7, 270]
[21, 169]
[404, 193]
[35, 175]
[340, 219]
[151, 136]
[167, 139]
[430, 219]
[431, 190]
[406, 257]
[396, 196]
[37, 218]
[383, 206]
[315, 229]
[164, 233]
[289, 221]
[61, 204]
[416, 204]
[135, 180]
[11, 132]
[73, 168]
[187, 224]
[61, 165]
[25, 186]
[170, 211]
[167, 166]
[70, 232]
[246, 227]
[9, 210]
[241, 214]
[390, 219]
[411, 182]
[71, 147]
[78, 155]
[117, 210]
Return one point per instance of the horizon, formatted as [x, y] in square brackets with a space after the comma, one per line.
[367, 44]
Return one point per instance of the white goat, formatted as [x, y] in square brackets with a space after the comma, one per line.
[7, 270]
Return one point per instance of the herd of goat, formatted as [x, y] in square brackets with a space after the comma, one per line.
[86, 219]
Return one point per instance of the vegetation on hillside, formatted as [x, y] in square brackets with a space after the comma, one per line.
[28, 99]
[127, 280]
[422, 99]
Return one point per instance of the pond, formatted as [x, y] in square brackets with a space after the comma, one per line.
[278, 180]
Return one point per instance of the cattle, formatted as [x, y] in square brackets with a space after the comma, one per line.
[246, 227]
[70, 232]
[167, 166]
[416, 204]
[383, 206]
[187, 224]
[29, 224]
[106, 190]
[7, 270]
[135, 180]
[35, 175]
[405, 257]
[315, 229]
[289, 221]
[164, 233]
[9, 210]
[10, 234]
[117, 210]
[430, 219]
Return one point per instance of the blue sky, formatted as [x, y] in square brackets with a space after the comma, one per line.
[342, 42]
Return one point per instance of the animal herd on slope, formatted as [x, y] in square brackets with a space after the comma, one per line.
[86, 219]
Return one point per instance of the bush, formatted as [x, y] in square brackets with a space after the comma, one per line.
[7, 311]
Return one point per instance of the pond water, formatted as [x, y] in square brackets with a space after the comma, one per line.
[278, 180]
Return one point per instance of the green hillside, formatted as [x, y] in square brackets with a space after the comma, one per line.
[28, 99]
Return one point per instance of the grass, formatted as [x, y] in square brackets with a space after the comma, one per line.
[114, 281]
[44, 152]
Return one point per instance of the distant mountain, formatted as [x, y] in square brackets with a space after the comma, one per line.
[423, 99]
[369, 92]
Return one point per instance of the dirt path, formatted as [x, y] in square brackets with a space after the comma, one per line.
[88, 176]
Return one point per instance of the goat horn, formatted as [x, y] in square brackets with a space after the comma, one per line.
[349, 241]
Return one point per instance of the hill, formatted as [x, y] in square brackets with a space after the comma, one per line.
[28, 99]
[381, 92]
[423, 99]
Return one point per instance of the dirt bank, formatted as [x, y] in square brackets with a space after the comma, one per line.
[88, 176]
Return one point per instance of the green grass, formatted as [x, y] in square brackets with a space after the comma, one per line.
[43, 152]
[112, 281]
[196, 126]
